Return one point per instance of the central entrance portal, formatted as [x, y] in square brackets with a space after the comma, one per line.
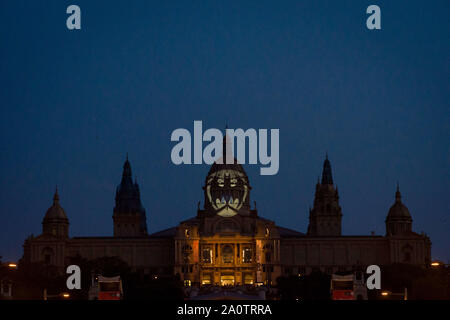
[227, 280]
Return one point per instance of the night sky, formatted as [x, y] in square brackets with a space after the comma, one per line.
[73, 103]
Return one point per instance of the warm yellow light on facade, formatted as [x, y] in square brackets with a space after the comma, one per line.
[12, 265]
[435, 264]
[66, 295]
[385, 293]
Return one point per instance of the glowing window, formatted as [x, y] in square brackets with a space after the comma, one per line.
[247, 255]
[207, 255]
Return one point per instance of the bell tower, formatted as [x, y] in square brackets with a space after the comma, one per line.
[326, 215]
[129, 214]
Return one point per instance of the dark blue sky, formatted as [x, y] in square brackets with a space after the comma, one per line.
[74, 102]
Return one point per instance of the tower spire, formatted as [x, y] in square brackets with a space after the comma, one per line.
[127, 170]
[327, 177]
[129, 215]
[325, 218]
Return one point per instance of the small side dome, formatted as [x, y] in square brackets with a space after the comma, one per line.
[55, 212]
[398, 210]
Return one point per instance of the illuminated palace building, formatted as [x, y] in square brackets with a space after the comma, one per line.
[227, 242]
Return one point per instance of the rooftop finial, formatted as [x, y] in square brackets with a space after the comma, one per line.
[398, 195]
[56, 196]
[227, 152]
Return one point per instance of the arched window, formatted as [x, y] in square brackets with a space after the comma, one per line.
[407, 250]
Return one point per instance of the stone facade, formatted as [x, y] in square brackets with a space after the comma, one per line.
[227, 243]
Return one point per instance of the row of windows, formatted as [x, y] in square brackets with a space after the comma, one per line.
[228, 254]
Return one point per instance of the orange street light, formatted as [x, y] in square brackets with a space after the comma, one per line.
[435, 264]
[389, 293]
[64, 295]
[12, 265]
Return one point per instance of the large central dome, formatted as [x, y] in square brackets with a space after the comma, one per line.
[232, 167]
[227, 161]
[227, 188]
